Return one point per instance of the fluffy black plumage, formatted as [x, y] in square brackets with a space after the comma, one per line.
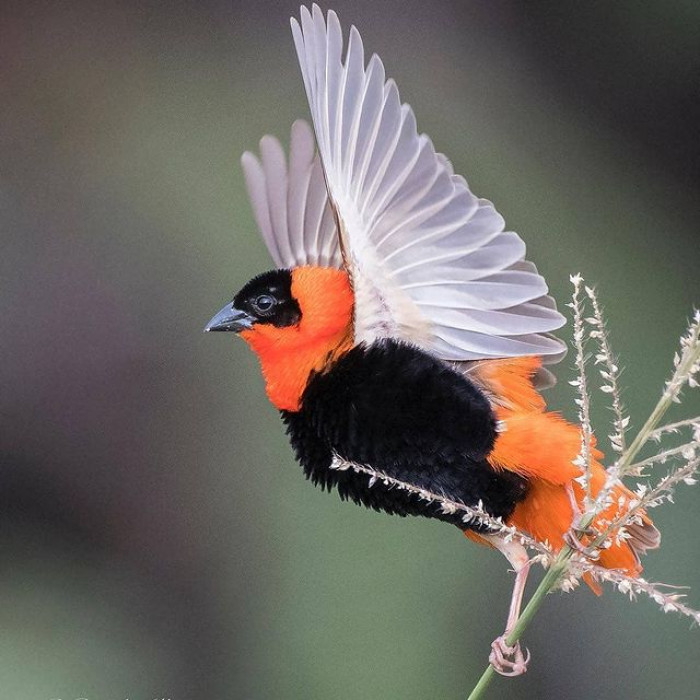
[395, 408]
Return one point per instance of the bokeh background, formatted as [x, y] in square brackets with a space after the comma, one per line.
[156, 537]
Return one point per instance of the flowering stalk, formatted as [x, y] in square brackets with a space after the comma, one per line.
[568, 566]
[584, 460]
[474, 515]
[610, 373]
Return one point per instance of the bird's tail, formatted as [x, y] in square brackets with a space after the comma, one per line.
[546, 514]
[541, 446]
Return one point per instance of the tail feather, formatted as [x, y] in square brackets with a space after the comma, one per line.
[643, 537]
[541, 446]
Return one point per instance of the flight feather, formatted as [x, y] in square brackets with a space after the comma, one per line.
[430, 262]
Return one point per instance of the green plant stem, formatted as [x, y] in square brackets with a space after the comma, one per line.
[659, 411]
[559, 565]
[645, 433]
[551, 578]
[642, 437]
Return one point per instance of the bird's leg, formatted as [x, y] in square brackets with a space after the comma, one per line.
[506, 659]
[575, 532]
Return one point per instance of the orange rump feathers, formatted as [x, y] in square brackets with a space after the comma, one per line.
[542, 446]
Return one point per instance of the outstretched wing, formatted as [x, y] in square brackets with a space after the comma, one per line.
[430, 262]
[291, 205]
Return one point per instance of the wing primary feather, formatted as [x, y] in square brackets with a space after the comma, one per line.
[301, 155]
[370, 121]
[290, 201]
[420, 214]
[341, 80]
[316, 213]
[321, 45]
[355, 70]
[275, 167]
[403, 161]
[429, 261]
[381, 178]
[334, 74]
[257, 193]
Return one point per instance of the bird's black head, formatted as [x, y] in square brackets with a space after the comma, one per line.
[266, 299]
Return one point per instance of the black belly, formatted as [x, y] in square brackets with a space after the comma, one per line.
[406, 414]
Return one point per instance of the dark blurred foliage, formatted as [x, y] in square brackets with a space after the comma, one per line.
[156, 538]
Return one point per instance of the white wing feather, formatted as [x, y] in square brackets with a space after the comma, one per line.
[430, 262]
[291, 206]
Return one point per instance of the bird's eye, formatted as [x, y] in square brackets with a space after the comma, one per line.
[264, 303]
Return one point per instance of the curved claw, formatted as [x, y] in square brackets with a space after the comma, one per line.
[572, 538]
[499, 658]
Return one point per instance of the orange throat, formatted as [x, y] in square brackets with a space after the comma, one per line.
[289, 355]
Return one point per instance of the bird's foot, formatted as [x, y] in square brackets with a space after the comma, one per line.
[508, 660]
[573, 539]
[575, 534]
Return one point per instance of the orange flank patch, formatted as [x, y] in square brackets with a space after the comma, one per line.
[537, 445]
[541, 446]
[510, 381]
[288, 355]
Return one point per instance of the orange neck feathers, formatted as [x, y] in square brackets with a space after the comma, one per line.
[289, 355]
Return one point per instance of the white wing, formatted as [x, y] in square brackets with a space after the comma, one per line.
[291, 206]
[429, 261]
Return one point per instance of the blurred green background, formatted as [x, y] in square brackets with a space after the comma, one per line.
[156, 537]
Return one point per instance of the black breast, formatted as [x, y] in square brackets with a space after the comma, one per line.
[407, 414]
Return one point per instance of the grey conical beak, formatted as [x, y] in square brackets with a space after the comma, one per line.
[230, 319]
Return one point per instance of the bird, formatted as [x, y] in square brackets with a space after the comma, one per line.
[403, 329]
